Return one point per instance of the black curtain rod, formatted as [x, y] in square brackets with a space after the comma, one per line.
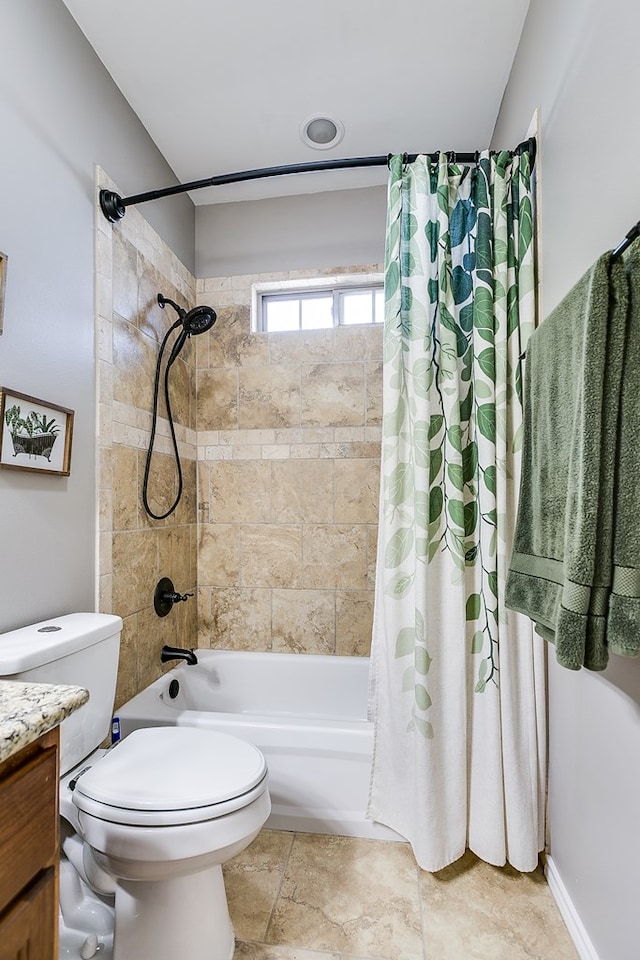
[114, 206]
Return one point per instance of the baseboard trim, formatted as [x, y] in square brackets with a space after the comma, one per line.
[568, 912]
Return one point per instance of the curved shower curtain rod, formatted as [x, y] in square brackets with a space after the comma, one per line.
[114, 206]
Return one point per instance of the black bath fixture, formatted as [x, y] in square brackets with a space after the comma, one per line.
[196, 321]
[114, 206]
[177, 653]
[165, 596]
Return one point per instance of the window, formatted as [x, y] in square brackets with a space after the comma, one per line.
[318, 304]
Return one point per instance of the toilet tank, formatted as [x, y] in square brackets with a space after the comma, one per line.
[80, 649]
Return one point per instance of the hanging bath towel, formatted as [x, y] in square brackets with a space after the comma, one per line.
[561, 568]
[623, 627]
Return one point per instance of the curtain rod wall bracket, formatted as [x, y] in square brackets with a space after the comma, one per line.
[112, 206]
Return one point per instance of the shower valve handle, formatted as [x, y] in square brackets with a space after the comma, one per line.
[177, 597]
[166, 595]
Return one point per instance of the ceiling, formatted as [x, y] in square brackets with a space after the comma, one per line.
[223, 87]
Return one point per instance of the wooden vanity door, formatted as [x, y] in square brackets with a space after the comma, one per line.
[27, 931]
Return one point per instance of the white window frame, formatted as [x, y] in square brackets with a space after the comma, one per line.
[299, 289]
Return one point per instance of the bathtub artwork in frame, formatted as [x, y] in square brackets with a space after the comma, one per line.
[35, 434]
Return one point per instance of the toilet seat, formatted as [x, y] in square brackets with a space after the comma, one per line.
[167, 776]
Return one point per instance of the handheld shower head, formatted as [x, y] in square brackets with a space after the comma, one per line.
[198, 320]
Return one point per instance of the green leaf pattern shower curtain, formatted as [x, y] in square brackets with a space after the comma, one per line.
[457, 680]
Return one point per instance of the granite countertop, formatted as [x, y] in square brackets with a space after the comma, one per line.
[27, 710]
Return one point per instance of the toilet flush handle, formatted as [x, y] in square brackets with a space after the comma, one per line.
[165, 596]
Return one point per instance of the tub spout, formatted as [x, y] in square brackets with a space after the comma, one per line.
[177, 653]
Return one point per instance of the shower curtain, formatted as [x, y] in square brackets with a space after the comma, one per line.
[457, 680]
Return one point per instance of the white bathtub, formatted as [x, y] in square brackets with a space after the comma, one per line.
[306, 713]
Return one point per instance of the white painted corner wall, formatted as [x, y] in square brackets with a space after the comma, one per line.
[60, 113]
[568, 912]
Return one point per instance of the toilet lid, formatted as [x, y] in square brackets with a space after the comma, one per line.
[164, 769]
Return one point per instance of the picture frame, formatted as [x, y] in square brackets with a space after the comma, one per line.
[35, 435]
[3, 286]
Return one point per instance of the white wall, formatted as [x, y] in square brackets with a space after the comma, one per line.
[578, 61]
[60, 113]
[339, 228]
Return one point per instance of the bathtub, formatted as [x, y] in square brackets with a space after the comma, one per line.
[306, 713]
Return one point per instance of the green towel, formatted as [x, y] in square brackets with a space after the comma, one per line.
[561, 568]
[623, 628]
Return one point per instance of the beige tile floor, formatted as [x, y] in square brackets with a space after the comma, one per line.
[302, 896]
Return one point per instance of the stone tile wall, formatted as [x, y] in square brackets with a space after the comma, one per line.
[280, 440]
[288, 431]
[133, 265]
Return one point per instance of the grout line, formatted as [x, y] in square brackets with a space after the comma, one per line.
[277, 896]
[323, 951]
[312, 951]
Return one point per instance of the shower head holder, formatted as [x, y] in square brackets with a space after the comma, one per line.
[162, 301]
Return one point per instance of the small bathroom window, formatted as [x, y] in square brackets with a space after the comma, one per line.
[318, 304]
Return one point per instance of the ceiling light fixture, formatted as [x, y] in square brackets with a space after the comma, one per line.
[321, 132]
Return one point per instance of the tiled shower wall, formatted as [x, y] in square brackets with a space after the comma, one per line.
[288, 432]
[133, 265]
[285, 429]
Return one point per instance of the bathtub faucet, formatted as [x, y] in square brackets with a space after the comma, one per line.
[177, 653]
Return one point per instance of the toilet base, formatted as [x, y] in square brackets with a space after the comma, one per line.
[73, 943]
[83, 914]
[185, 916]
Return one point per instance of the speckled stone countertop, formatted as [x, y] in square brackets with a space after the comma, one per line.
[27, 710]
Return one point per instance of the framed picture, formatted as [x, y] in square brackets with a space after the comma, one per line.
[3, 286]
[35, 434]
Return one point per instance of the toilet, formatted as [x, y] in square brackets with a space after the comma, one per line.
[146, 824]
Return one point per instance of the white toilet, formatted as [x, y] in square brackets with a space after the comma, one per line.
[146, 824]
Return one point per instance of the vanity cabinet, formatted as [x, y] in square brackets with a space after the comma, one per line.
[29, 852]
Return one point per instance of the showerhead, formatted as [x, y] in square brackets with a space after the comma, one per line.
[198, 320]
